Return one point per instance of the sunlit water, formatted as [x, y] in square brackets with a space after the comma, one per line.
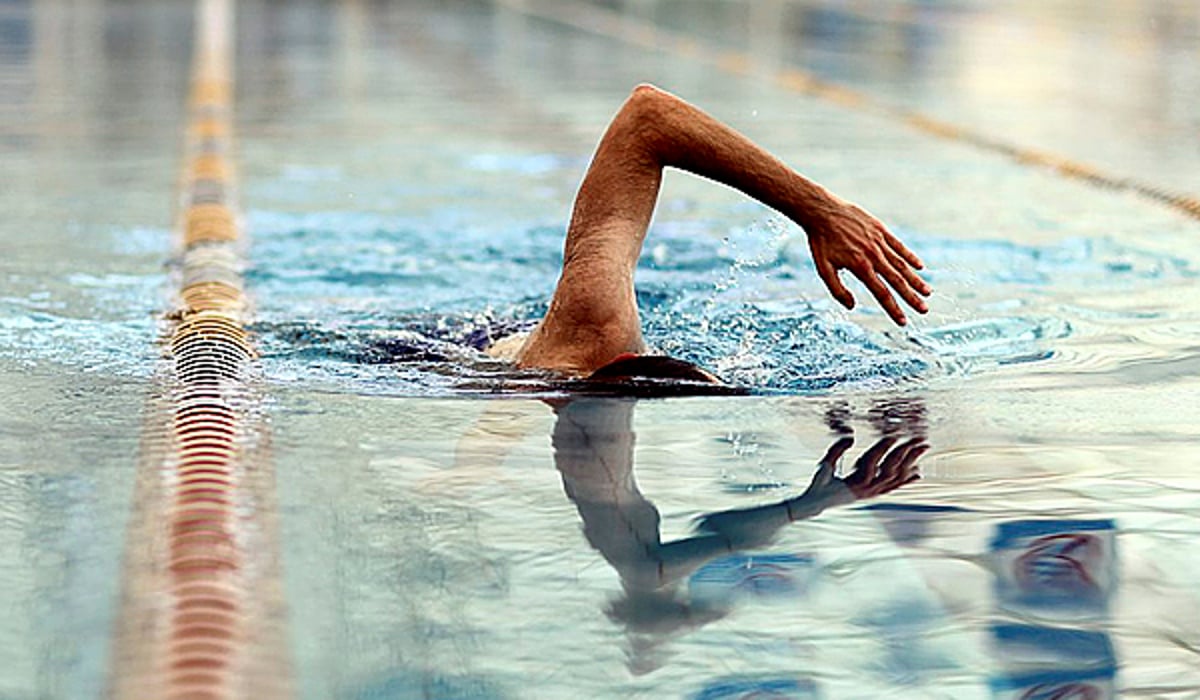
[406, 175]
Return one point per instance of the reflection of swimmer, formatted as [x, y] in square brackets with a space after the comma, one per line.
[593, 318]
[593, 450]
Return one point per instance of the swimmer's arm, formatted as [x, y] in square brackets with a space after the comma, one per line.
[593, 314]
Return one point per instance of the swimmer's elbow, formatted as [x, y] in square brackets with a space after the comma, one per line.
[648, 101]
[642, 126]
[648, 91]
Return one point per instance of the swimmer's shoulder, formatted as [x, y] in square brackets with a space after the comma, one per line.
[508, 348]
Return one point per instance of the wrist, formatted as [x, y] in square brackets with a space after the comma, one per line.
[802, 508]
[810, 205]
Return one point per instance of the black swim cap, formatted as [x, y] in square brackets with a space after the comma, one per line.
[653, 375]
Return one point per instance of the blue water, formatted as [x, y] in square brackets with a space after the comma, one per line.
[403, 306]
[389, 305]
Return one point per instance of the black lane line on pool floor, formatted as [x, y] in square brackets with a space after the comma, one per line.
[202, 614]
[647, 35]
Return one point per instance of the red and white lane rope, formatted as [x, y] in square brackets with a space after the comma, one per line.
[202, 614]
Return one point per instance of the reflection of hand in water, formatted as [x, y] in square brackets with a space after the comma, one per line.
[876, 472]
[883, 468]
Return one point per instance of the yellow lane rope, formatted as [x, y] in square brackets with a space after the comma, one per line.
[637, 32]
[202, 612]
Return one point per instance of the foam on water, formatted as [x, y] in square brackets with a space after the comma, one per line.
[96, 323]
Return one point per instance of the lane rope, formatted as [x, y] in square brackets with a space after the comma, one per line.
[202, 614]
[612, 24]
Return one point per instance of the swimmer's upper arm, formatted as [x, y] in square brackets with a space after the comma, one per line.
[593, 313]
[616, 199]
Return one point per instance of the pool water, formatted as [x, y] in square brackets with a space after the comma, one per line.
[453, 529]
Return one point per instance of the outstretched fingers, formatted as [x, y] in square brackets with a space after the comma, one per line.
[909, 273]
[901, 463]
[870, 458]
[911, 469]
[902, 250]
[886, 467]
[867, 276]
[903, 286]
[885, 265]
[851, 239]
[829, 276]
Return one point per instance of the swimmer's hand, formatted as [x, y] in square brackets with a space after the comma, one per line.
[843, 236]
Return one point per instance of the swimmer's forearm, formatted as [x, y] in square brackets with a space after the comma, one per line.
[683, 136]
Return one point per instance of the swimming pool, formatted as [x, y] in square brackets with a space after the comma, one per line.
[406, 173]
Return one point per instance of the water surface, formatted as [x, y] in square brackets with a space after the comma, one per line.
[406, 173]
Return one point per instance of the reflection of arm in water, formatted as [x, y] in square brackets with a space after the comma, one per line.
[593, 315]
[593, 450]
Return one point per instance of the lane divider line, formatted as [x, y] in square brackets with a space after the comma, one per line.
[202, 611]
[611, 24]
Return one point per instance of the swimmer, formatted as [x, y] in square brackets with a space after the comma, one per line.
[593, 319]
